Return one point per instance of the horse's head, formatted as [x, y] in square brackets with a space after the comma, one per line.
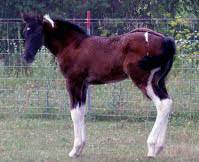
[33, 34]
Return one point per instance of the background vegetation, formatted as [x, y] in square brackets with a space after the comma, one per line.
[30, 96]
[43, 82]
[103, 8]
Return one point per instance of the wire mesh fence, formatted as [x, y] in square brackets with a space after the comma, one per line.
[31, 93]
[39, 90]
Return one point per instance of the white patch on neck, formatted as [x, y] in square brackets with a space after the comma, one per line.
[28, 28]
[47, 17]
[146, 35]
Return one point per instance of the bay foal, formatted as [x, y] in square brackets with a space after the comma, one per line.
[142, 55]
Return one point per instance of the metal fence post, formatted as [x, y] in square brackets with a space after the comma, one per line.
[88, 28]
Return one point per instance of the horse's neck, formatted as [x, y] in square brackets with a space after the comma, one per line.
[57, 42]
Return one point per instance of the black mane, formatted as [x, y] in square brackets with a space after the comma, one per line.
[69, 26]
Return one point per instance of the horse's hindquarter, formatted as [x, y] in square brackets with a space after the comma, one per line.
[141, 45]
[137, 46]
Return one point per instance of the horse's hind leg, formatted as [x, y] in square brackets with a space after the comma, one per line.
[156, 90]
[151, 85]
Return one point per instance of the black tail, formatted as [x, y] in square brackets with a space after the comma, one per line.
[164, 60]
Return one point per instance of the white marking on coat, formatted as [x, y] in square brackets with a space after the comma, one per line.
[47, 17]
[149, 88]
[146, 35]
[156, 139]
[28, 28]
[77, 115]
[157, 135]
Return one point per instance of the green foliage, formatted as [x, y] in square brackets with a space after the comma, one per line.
[187, 37]
[102, 8]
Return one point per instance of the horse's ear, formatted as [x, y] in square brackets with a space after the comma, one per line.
[26, 17]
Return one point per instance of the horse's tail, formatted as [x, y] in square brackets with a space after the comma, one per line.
[164, 60]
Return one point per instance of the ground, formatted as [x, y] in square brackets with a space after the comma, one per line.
[51, 140]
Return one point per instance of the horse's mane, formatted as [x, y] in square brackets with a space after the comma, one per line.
[70, 26]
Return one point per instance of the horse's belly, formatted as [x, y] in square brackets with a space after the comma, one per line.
[109, 78]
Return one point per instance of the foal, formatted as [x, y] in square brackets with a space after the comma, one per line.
[142, 55]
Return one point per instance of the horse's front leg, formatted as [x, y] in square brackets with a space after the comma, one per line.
[77, 115]
[77, 92]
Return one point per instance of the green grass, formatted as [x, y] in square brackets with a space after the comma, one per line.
[51, 140]
[120, 111]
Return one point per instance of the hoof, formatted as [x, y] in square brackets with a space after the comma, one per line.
[151, 150]
[75, 152]
[150, 157]
[158, 149]
[154, 151]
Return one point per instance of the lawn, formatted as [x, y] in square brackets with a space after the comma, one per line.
[123, 117]
[51, 140]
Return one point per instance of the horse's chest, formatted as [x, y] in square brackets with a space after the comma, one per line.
[65, 64]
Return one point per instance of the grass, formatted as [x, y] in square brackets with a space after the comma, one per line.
[24, 136]
[25, 99]
[51, 140]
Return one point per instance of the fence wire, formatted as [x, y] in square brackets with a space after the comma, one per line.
[30, 95]
[39, 90]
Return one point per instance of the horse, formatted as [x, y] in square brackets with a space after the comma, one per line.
[143, 55]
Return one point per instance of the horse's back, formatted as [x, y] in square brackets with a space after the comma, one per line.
[106, 58]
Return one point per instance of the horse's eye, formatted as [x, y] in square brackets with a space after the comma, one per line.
[26, 31]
